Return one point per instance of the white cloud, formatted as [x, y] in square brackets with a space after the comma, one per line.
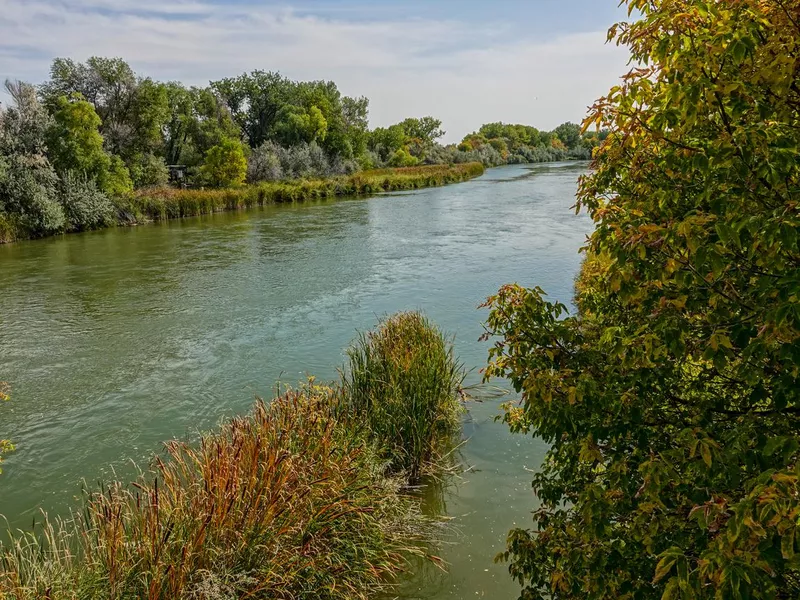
[464, 74]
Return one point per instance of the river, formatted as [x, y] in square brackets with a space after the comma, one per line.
[117, 340]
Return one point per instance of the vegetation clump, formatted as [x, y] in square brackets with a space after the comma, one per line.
[403, 380]
[293, 501]
[157, 204]
[671, 400]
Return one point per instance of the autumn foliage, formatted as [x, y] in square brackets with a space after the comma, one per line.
[671, 398]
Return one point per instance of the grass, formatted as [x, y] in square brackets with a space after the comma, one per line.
[10, 230]
[303, 498]
[162, 203]
[405, 383]
[159, 204]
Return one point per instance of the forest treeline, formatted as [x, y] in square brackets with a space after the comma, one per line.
[97, 131]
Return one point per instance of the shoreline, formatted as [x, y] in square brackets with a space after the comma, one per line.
[161, 204]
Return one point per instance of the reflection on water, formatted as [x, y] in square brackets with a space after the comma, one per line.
[117, 340]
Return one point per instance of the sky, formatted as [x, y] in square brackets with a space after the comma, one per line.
[537, 62]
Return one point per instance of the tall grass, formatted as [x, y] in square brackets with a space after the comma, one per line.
[286, 503]
[158, 204]
[10, 229]
[404, 381]
[303, 498]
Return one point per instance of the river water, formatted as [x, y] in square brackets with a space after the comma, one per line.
[117, 340]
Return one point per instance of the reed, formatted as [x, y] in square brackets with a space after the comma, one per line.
[285, 503]
[10, 229]
[305, 497]
[158, 204]
[404, 382]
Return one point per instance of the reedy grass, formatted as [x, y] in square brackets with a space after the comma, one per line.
[162, 203]
[306, 497]
[404, 382]
[159, 204]
[285, 503]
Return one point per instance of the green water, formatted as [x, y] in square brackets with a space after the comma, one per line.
[117, 340]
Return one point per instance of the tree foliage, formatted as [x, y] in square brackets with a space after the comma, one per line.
[671, 399]
[225, 165]
[101, 126]
[27, 179]
[75, 144]
[525, 144]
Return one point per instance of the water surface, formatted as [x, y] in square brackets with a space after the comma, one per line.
[117, 340]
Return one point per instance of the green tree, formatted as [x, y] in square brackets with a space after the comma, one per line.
[28, 181]
[255, 101]
[402, 158]
[75, 144]
[426, 129]
[299, 125]
[671, 399]
[133, 111]
[225, 164]
[385, 141]
[198, 120]
[569, 134]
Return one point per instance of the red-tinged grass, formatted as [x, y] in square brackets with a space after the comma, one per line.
[301, 499]
[286, 503]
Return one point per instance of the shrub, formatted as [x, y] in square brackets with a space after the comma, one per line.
[288, 502]
[404, 382]
[148, 170]
[28, 187]
[401, 158]
[264, 164]
[225, 164]
[85, 206]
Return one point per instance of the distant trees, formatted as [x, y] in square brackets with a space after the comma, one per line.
[525, 144]
[225, 165]
[97, 130]
[75, 145]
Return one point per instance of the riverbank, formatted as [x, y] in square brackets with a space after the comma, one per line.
[159, 204]
[124, 338]
[303, 498]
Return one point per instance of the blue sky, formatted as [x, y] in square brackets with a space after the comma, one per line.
[540, 62]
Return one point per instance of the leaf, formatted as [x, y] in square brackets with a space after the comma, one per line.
[787, 544]
[705, 453]
[663, 567]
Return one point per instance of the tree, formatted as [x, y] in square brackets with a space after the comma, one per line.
[671, 399]
[255, 101]
[75, 144]
[198, 120]
[387, 140]
[569, 134]
[426, 129]
[299, 125]
[402, 158]
[225, 164]
[27, 179]
[132, 111]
